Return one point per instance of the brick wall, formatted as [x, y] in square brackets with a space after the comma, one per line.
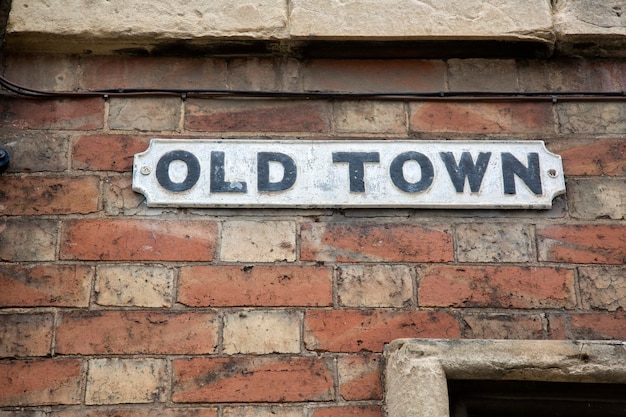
[110, 308]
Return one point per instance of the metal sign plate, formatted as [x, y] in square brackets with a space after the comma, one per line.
[333, 174]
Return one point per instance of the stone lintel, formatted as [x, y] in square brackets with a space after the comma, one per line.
[411, 28]
[417, 369]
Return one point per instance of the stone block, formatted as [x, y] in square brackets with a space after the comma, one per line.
[375, 286]
[408, 19]
[129, 285]
[249, 241]
[603, 287]
[261, 332]
[370, 117]
[593, 198]
[492, 242]
[121, 381]
[144, 114]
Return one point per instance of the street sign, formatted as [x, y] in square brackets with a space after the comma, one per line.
[348, 173]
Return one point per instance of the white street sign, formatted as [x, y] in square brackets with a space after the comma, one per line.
[348, 173]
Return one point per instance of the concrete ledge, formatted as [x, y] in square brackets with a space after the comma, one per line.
[417, 370]
[262, 27]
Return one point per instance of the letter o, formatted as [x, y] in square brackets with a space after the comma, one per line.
[397, 174]
[163, 174]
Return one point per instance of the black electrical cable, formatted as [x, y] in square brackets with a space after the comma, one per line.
[553, 96]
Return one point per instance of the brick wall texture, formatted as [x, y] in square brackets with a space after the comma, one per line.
[110, 308]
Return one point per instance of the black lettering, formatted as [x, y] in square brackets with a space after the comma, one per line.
[466, 169]
[397, 174]
[531, 175]
[218, 183]
[263, 171]
[356, 167]
[163, 171]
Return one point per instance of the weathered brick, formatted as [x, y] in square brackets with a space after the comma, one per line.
[134, 240]
[45, 285]
[261, 332]
[593, 326]
[25, 334]
[133, 285]
[264, 411]
[482, 117]
[374, 76]
[136, 332]
[494, 242]
[348, 411]
[28, 240]
[374, 242]
[503, 326]
[147, 114]
[257, 116]
[603, 287]
[120, 381]
[49, 195]
[69, 114]
[496, 286]
[369, 117]
[43, 71]
[375, 286]
[105, 71]
[107, 152]
[369, 330]
[482, 75]
[360, 377]
[592, 117]
[257, 74]
[593, 198]
[578, 243]
[258, 241]
[119, 198]
[23, 413]
[270, 286]
[40, 382]
[591, 156]
[243, 379]
[145, 411]
[35, 151]
[576, 75]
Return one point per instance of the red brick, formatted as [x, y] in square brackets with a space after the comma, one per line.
[248, 379]
[107, 152]
[45, 285]
[35, 151]
[360, 377]
[348, 411]
[582, 243]
[41, 382]
[257, 116]
[25, 334]
[105, 72]
[147, 240]
[374, 76]
[482, 117]
[593, 326]
[374, 242]
[227, 286]
[493, 286]
[70, 114]
[136, 332]
[48, 195]
[28, 240]
[150, 411]
[592, 156]
[369, 330]
[503, 326]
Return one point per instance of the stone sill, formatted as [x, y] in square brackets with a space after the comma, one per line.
[320, 28]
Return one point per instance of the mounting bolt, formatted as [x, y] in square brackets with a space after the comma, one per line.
[145, 170]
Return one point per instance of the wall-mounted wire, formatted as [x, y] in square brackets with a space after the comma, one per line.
[552, 96]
